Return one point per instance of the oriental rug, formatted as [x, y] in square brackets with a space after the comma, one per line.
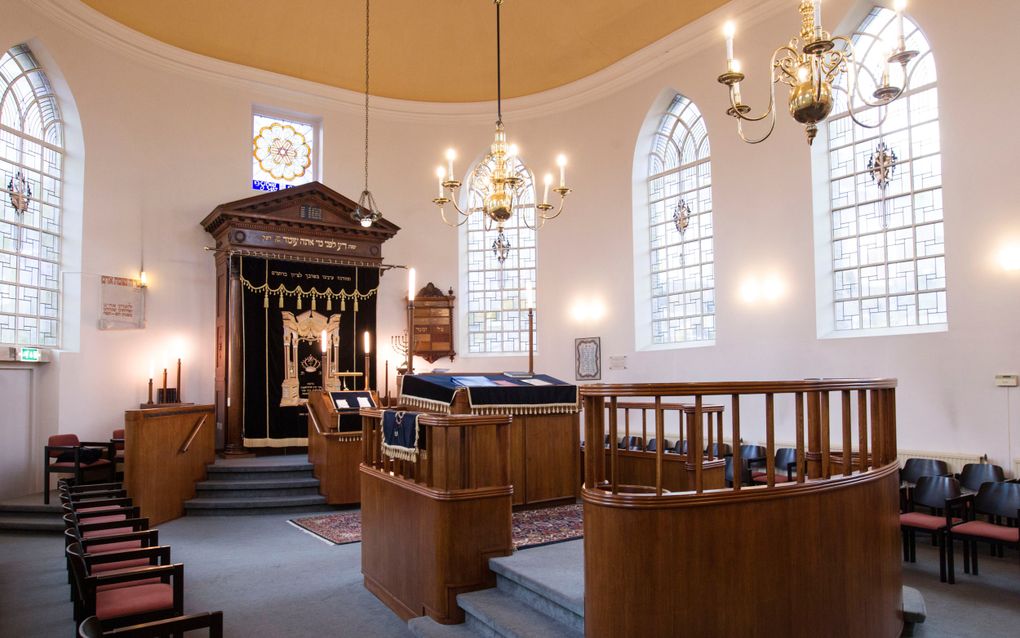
[531, 528]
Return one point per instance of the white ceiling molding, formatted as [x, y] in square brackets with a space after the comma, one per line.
[703, 33]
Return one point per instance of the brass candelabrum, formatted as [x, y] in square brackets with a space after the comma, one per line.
[811, 64]
[400, 345]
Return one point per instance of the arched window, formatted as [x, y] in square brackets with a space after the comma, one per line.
[497, 318]
[31, 171]
[884, 195]
[681, 243]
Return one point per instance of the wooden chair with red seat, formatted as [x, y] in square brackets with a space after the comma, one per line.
[937, 494]
[213, 621]
[116, 562]
[118, 450]
[65, 454]
[127, 597]
[786, 461]
[1000, 504]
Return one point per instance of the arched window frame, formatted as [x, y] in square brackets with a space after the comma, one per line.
[880, 262]
[675, 272]
[32, 142]
[494, 295]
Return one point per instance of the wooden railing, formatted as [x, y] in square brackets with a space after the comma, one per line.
[866, 409]
[451, 458]
[712, 423]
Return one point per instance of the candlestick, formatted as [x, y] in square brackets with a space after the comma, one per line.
[548, 182]
[450, 156]
[368, 364]
[410, 333]
[729, 29]
[561, 161]
[386, 378]
[368, 343]
[163, 398]
[411, 276]
[899, 6]
[150, 391]
[323, 341]
[179, 399]
[441, 174]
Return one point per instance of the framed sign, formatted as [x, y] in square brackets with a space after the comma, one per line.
[122, 304]
[433, 324]
[588, 359]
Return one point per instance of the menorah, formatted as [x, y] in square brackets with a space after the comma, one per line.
[400, 344]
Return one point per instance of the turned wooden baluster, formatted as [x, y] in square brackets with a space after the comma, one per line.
[614, 445]
[660, 427]
[644, 431]
[862, 430]
[696, 444]
[847, 435]
[709, 446]
[770, 442]
[826, 444]
[799, 396]
[813, 435]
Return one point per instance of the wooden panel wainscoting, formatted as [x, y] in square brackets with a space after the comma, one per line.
[166, 451]
[430, 526]
[334, 455]
[818, 555]
[800, 561]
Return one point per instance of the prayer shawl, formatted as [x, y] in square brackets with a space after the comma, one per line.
[402, 437]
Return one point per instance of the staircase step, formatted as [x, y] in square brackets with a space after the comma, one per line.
[549, 579]
[258, 473]
[491, 612]
[35, 508]
[31, 522]
[272, 486]
[425, 627]
[202, 506]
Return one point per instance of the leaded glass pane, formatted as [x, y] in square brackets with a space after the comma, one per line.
[283, 153]
[497, 316]
[682, 269]
[887, 244]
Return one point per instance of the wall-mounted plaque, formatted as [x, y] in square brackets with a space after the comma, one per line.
[433, 324]
[588, 359]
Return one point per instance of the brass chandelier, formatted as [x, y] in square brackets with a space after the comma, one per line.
[810, 64]
[500, 179]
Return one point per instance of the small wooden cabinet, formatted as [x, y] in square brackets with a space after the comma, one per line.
[433, 324]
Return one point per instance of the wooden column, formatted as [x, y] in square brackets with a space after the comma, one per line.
[235, 365]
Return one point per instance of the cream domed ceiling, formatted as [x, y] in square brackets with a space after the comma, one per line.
[429, 50]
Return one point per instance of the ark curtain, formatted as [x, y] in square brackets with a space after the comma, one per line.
[274, 290]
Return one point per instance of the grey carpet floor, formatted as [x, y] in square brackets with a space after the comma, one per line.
[271, 579]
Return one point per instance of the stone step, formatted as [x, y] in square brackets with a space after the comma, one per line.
[259, 472]
[229, 488]
[33, 508]
[31, 522]
[425, 627]
[492, 612]
[202, 506]
[548, 579]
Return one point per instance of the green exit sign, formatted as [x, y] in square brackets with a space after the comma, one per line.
[29, 354]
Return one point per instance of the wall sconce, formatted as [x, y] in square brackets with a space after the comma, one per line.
[143, 279]
[768, 289]
[587, 310]
[1009, 258]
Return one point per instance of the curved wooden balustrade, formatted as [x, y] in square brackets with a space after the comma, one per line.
[429, 526]
[815, 556]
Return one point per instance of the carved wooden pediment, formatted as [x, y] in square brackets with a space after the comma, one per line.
[307, 221]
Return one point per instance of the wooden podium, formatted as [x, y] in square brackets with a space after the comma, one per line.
[334, 453]
[166, 451]
[430, 526]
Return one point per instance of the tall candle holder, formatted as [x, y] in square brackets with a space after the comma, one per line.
[531, 341]
[399, 344]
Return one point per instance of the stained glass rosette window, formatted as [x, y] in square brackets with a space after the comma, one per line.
[681, 235]
[31, 173]
[283, 153]
[497, 317]
[888, 257]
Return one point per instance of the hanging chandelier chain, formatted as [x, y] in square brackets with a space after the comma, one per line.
[367, 34]
[499, 77]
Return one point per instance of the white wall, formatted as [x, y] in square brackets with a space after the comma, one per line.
[167, 140]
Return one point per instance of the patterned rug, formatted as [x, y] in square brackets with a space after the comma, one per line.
[530, 528]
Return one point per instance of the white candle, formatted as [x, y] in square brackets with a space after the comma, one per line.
[729, 29]
[548, 182]
[411, 274]
[529, 295]
[152, 370]
[561, 161]
[324, 341]
[899, 6]
[818, 17]
[440, 173]
[450, 156]
[735, 68]
[368, 344]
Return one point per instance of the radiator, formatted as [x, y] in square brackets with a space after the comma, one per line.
[955, 460]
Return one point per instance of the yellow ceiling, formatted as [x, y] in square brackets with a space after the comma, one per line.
[430, 50]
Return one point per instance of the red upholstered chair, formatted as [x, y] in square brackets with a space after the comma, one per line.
[127, 597]
[1000, 504]
[63, 455]
[786, 467]
[937, 494]
[118, 445]
[213, 621]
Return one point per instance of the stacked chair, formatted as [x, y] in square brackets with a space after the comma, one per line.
[992, 516]
[938, 495]
[122, 580]
[65, 454]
